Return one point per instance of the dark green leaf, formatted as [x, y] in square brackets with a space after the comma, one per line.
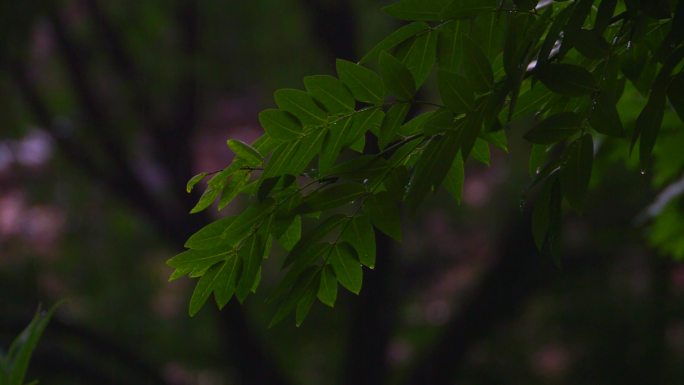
[554, 128]
[525, 5]
[432, 167]
[359, 233]
[415, 125]
[205, 286]
[393, 39]
[455, 92]
[194, 180]
[419, 57]
[208, 197]
[453, 182]
[251, 254]
[390, 125]
[675, 93]
[196, 261]
[301, 105]
[567, 79]
[292, 234]
[383, 212]
[304, 304]
[245, 152]
[365, 85]
[647, 126]
[440, 121]
[210, 236]
[480, 151]
[21, 349]
[604, 116]
[396, 77]
[292, 158]
[450, 46]
[463, 9]
[347, 267]
[591, 44]
[226, 280]
[576, 170]
[418, 9]
[478, 70]
[280, 124]
[327, 290]
[331, 197]
[301, 249]
[330, 92]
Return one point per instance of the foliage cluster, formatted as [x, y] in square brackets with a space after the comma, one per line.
[346, 153]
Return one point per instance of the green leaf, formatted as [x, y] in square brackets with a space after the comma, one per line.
[359, 233]
[453, 182]
[591, 44]
[415, 125]
[362, 122]
[327, 290]
[604, 116]
[546, 216]
[418, 9]
[332, 197]
[390, 125]
[567, 79]
[395, 38]
[439, 122]
[245, 152]
[675, 93]
[554, 128]
[330, 92]
[464, 9]
[346, 132]
[304, 304]
[21, 349]
[478, 70]
[396, 77]
[647, 126]
[292, 158]
[196, 260]
[226, 280]
[211, 235]
[292, 234]
[480, 151]
[208, 197]
[205, 286]
[384, 213]
[280, 124]
[419, 57]
[333, 143]
[525, 5]
[364, 84]
[251, 254]
[347, 267]
[294, 294]
[455, 92]
[301, 105]
[576, 170]
[450, 46]
[194, 180]
[432, 167]
[309, 241]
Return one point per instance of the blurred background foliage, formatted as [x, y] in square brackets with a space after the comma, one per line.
[107, 108]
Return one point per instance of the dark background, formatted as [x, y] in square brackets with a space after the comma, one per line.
[107, 108]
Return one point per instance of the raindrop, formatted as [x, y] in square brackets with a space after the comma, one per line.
[537, 171]
[523, 202]
[365, 181]
[642, 172]
[629, 44]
